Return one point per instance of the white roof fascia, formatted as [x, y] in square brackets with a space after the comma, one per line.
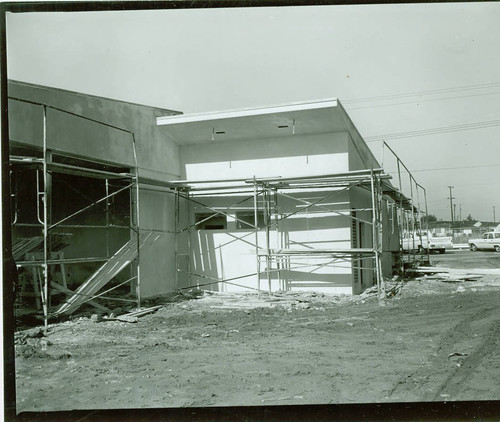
[200, 117]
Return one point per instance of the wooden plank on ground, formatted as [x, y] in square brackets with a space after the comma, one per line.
[69, 292]
[469, 271]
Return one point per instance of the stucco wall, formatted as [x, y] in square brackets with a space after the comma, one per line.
[158, 156]
[360, 157]
[288, 156]
[218, 254]
[157, 260]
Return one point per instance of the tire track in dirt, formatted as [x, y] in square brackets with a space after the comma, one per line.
[427, 383]
[456, 380]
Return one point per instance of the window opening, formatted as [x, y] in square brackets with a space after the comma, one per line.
[208, 221]
[245, 220]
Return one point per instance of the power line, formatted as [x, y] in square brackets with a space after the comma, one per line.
[433, 131]
[451, 168]
[437, 200]
[422, 101]
[428, 92]
[486, 182]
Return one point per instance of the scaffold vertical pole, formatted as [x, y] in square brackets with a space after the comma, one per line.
[413, 229]
[426, 250]
[176, 248]
[380, 236]
[46, 192]
[188, 205]
[256, 221]
[137, 224]
[267, 222]
[375, 242]
[426, 222]
[401, 222]
[107, 217]
[278, 239]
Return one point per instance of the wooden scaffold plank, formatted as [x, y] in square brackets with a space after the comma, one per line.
[123, 257]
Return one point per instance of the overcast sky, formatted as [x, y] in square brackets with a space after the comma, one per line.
[397, 69]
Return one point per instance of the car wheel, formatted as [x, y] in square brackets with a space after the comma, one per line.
[473, 247]
[497, 248]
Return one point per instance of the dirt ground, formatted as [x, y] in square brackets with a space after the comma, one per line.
[433, 341]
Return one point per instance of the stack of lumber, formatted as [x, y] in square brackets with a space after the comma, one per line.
[24, 246]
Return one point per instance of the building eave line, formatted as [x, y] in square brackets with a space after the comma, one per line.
[201, 117]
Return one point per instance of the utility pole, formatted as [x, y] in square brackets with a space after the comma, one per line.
[494, 218]
[451, 198]
[461, 215]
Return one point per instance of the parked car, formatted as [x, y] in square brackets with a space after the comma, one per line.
[490, 240]
[422, 241]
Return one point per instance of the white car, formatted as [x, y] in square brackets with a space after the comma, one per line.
[422, 241]
[490, 240]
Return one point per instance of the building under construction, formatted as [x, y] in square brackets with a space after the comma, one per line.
[113, 201]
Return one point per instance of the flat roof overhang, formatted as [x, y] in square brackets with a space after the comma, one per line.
[299, 119]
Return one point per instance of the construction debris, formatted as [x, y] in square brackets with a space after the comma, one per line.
[95, 318]
[133, 316]
[457, 354]
[474, 272]
[127, 318]
[142, 312]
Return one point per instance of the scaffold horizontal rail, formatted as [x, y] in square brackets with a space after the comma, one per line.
[307, 252]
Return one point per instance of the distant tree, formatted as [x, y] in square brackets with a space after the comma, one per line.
[469, 220]
[429, 218]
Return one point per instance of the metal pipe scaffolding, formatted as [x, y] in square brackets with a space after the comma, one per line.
[256, 225]
[46, 246]
[371, 180]
[47, 167]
